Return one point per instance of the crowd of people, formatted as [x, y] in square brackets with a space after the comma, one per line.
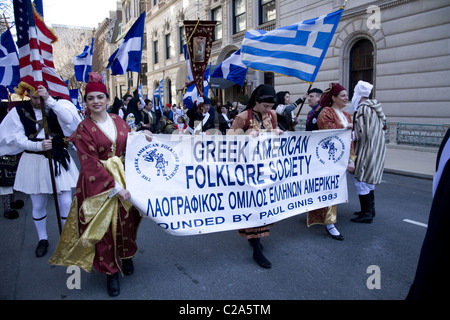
[100, 223]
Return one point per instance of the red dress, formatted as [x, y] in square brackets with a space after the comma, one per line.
[327, 119]
[93, 189]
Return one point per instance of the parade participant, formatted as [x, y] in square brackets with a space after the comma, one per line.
[134, 117]
[369, 123]
[125, 99]
[334, 99]
[258, 116]
[117, 107]
[284, 110]
[224, 120]
[313, 101]
[200, 119]
[8, 168]
[150, 118]
[181, 125]
[22, 131]
[101, 228]
[431, 277]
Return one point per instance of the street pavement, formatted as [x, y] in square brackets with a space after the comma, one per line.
[375, 261]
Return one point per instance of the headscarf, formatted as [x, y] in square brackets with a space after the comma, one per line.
[333, 90]
[362, 89]
[262, 93]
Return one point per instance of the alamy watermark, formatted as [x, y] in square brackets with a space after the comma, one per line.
[74, 280]
[374, 280]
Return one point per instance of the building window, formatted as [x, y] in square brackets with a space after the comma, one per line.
[155, 52]
[216, 15]
[267, 11]
[143, 74]
[269, 78]
[239, 16]
[168, 48]
[182, 33]
[361, 63]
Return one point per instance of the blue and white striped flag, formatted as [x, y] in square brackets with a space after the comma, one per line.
[232, 68]
[83, 63]
[9, 61]
[75, 98]
[129, 54]
[191, 94]
[296, 50]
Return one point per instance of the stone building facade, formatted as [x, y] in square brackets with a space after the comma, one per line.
[401, 46]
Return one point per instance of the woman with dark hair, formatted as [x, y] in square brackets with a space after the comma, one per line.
[258, 116]
[117, 107]
[101, 228]
[334, 99]
[284, 110]
[134, 115]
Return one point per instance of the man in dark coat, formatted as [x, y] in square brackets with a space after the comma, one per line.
[431, 280]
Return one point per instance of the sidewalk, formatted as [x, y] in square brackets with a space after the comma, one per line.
[418, 162]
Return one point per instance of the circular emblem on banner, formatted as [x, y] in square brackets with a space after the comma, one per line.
[157, 162]
[330, 149]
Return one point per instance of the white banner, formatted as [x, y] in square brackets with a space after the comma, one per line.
[209, 183]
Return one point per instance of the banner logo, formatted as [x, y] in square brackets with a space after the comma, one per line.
[330, 149]
[156, 162]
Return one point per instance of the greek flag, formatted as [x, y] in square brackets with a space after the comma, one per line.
[9, 61]
[83, 63]
[75, 98]
[232, 69]
[191, 94]
[129, 54]
[296, 50]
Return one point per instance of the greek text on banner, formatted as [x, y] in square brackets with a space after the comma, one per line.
[209, 183]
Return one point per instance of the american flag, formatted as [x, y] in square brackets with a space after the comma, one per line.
[34, 41]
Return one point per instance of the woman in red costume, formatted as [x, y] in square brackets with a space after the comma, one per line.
[334, 99]
[102, 225]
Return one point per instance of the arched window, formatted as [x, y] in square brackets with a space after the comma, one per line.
[361, 64]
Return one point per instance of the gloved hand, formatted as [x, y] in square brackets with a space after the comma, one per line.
[298, 101]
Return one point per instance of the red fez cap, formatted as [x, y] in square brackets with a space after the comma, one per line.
[95, 84]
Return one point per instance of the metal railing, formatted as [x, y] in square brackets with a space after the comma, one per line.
[416, 134]
[410, 134]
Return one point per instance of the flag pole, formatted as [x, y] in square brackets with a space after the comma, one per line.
[50, 163]
[291, 128]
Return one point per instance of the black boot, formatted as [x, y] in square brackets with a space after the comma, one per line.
[258, 255]
[366, 215]
[362, 203]
[127, 266]
[112, 283]
[41, 249]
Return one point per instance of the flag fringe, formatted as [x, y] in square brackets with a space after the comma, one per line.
[38, 15]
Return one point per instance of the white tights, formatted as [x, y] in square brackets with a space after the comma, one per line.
[39, 211]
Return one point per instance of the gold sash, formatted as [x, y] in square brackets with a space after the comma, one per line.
[101, 212]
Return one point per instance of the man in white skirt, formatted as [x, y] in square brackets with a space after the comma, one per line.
[22, 131]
